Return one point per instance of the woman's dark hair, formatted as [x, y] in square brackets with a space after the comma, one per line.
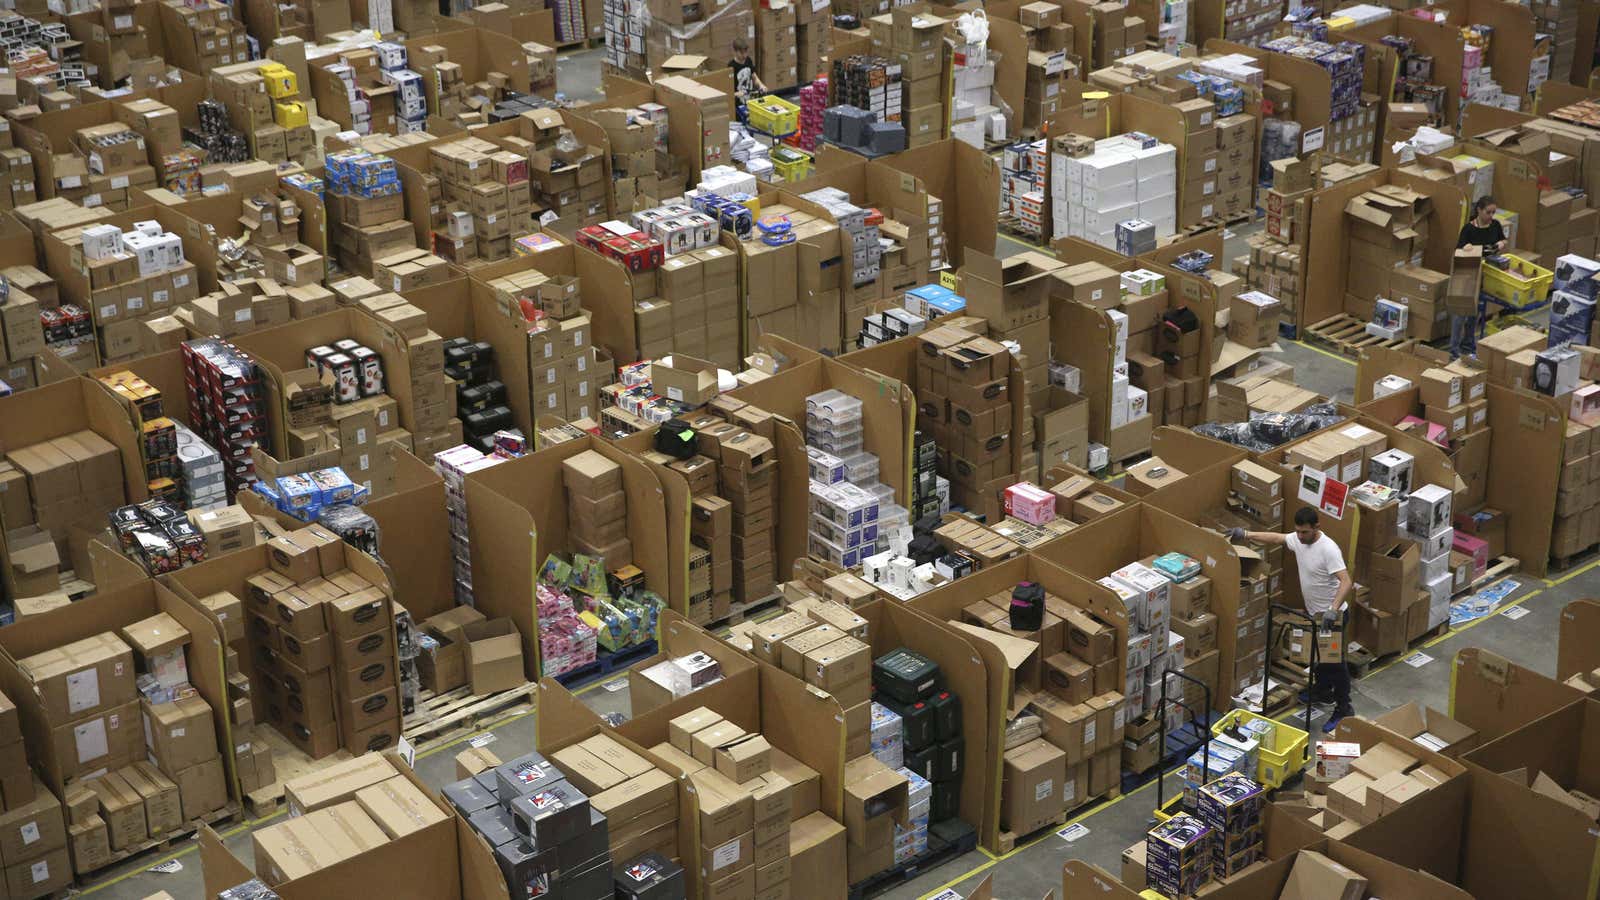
[1481, 204]
[1305, 515]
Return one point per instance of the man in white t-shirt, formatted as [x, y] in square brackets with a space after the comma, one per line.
[1325, 585]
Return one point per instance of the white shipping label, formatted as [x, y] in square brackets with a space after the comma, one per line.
[242, 315]
[90, 739]
[1088, 732]
[1044, 790]
[83, 690]
[40, 871]
[30, 832]
[725, 856]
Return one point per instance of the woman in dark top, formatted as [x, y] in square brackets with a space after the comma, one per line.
[1482, 230]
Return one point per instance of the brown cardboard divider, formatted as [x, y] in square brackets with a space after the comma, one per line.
[1520, 843]
[887, 411]
[280, 350]
[945, 604]
[892, 624]
[1191, 452]
[605, 286]
[107, 611]
[1094, 550]
[517, 516]
[424, 863]
[228, 573]
[414, 535]
[1494, 696]
[1579, 648]
[1385, 878]
[1311, 83]
[1080, 878]
[1516, 181]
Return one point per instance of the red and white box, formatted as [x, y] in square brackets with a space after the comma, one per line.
[1030, 503]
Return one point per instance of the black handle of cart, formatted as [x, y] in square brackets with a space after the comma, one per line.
[1298, 615]
[1204, 730]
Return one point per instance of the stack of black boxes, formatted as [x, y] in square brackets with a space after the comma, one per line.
[547, 839]
[480, 396]
[910, 685]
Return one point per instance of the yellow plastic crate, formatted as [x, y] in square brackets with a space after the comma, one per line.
[1284, 750]
[1522, 284]
[791, 163]
[773, 115]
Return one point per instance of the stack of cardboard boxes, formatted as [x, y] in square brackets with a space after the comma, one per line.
[33, 837]
[963, 391]
[695, 307]
[366, 209]
[639, 157]
[263, 100]
[675, 28]
[1098, 185]
[776, 49]
[487, 199]
[597, 509]
[748, 802]
[1384, 228]
[202, 36]
[916, 42]
[323, 682]
[57, 483]
[1116, 34]
[130, 277]
[638, 799]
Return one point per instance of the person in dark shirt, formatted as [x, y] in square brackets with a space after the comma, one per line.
[1482, 230]
[745, 79]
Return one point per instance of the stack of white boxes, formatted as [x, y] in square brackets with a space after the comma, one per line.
[454, 465]
[204, 487]
[911, 839]
[1478, 84]
[1238, 68]
[1148, 596]
[936, 254]
[1128, 402]
[1172, 27]
[866, 252]
[852, 513]
[1023, 180]
[1427, 524]
[1130, 176]
[976, 119]
[886, 736]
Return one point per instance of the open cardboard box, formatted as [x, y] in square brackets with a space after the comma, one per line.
[494, 655]
[1429, 728]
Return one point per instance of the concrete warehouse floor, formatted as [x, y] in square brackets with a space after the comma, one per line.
[1035, 867]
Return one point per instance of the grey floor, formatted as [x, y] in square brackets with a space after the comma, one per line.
[1033, 868]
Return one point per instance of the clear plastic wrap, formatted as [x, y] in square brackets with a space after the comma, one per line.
[1265, 431]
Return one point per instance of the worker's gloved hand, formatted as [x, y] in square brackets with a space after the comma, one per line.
[1236, 535]
[1329, 619]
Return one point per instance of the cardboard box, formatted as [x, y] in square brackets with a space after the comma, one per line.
[83, 677]
[1032, 788]
[1430, 728]
[336, 783]
[494, 655]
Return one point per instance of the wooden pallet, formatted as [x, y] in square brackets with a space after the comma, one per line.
[288, 763]
[1217, 223]
[1499, 567]
[441, 718]
[167, 841]
[1572, 561]
[1348, 335]
[1009, 840]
